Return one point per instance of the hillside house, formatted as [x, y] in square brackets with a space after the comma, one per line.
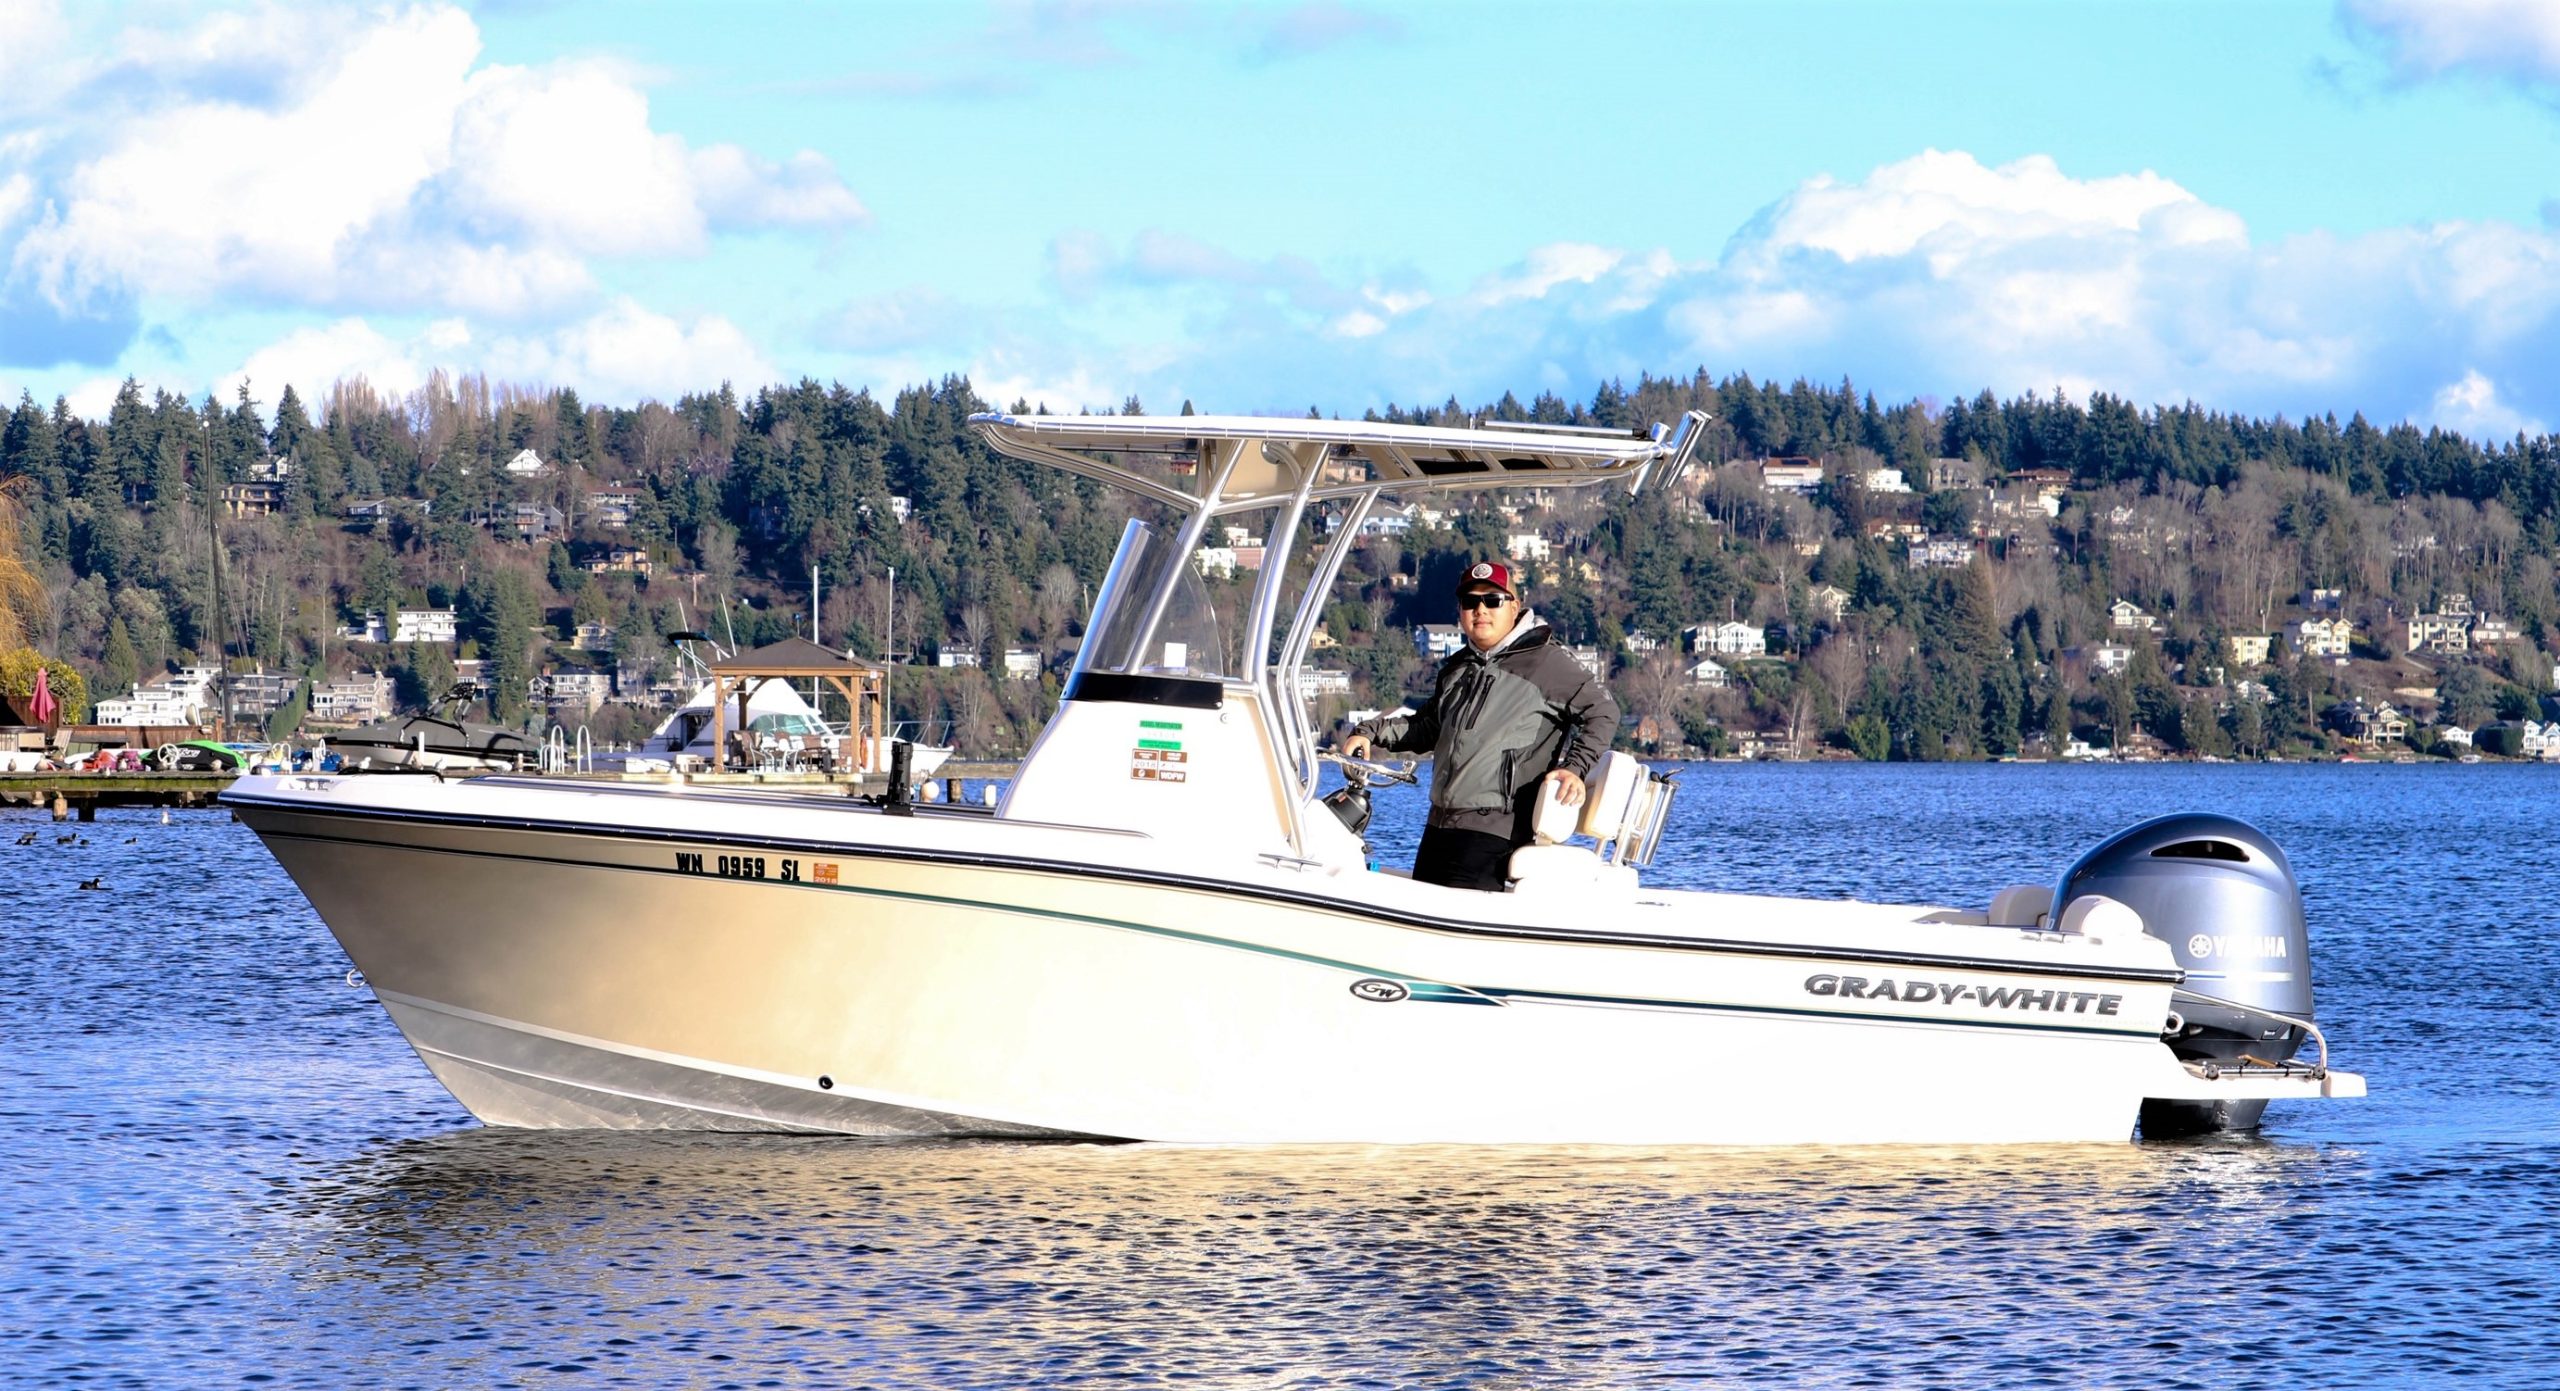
[425, 625]
[1790, 475]
[2101, 658]
[1949, 475]
[1943, 553]
[611, 507]
[1725, 640]
[252, 499]
[2125, 616]
[2329, 639]
[619, 560]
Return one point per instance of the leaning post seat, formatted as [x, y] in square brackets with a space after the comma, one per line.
[1550, 863]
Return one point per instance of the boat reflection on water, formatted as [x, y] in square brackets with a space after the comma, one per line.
[951, 1263]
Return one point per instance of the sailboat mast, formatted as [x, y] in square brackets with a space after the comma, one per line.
[889, 658]
[213, 554]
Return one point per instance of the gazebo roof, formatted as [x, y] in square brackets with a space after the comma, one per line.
[794, 656]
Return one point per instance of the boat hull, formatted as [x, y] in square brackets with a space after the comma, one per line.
[635, 979]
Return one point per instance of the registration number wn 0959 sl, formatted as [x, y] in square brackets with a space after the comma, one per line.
[739, 867]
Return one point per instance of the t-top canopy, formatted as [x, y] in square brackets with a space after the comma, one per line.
[1180, 459]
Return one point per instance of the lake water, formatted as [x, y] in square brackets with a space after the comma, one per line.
[219, 1165]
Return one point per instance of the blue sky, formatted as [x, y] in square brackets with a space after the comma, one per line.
[2266, 207]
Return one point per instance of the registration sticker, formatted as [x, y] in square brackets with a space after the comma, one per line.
[1158, 756]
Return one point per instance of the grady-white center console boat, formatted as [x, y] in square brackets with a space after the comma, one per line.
[1164, 933]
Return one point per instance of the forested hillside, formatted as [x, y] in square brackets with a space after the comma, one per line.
[2049, 512]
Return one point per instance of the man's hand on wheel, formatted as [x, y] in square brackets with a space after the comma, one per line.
[1355, 746]
[1568, 786]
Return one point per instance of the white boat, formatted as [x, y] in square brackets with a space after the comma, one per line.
[1164, 933]
[773, 723]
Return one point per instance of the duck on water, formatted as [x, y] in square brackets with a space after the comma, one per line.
[1163, 932]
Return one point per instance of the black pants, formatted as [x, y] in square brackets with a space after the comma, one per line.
[1463, 859]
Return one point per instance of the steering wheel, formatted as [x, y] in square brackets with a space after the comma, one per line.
[1370, 772]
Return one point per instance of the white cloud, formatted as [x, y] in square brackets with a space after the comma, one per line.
[1930, 276]
[629, 353]
[623, 353]
[565, 157]
[311, 359]
[367, 160]
[2517, 39]
[1547, 267]
[2471, 407]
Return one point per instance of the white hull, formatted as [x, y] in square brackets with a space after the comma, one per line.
[967, 975]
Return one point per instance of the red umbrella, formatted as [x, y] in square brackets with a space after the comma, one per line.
[45, 707]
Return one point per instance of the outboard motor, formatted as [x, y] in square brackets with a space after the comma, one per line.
[2223, 897]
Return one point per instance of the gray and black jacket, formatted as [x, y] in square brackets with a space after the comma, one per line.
[1496, 723]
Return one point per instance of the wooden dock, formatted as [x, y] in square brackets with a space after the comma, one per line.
[69, 795]
[81, 794]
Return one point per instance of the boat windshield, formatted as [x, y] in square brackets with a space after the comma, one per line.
[788, 722]
[1155, 615]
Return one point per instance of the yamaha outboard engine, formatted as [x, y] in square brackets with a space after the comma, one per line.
[2221, 894]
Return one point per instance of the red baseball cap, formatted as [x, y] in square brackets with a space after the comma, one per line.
[1492, 572]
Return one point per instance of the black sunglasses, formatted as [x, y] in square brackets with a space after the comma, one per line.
[1483, 601]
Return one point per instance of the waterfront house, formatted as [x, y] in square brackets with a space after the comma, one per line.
[1438, 642]
[579, 689]
[2250, 649]
[255, 694]
[358, 699]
